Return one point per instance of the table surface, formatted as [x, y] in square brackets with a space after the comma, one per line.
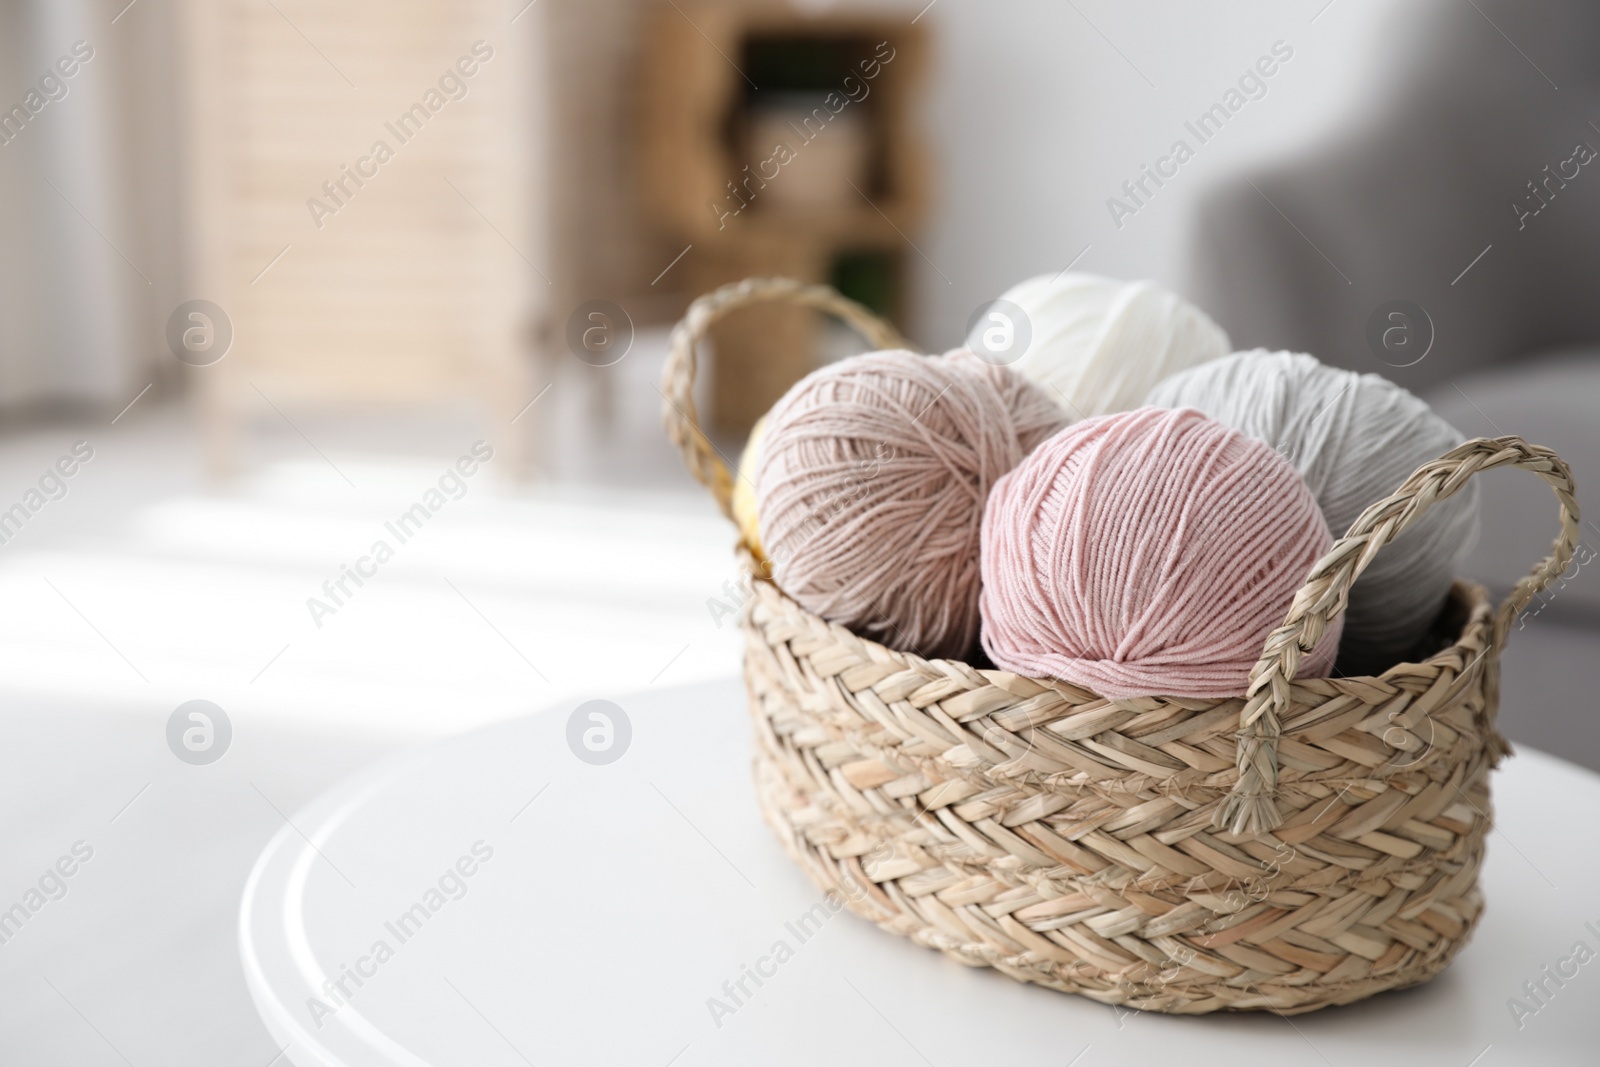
[497, 900]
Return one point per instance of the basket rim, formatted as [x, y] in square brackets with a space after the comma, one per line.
[1473, 595]
[1471, 656]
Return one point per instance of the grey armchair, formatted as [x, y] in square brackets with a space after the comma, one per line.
[1402, 206]
[1468, 194]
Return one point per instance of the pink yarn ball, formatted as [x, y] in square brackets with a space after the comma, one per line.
[1148, 552]
[871, 485]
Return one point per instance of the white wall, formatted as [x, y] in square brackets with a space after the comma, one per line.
[1036, 120]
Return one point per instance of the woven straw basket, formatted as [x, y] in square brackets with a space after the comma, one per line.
[1313, 843]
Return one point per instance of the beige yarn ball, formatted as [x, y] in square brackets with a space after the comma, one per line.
[871, 484]
[1098, 345]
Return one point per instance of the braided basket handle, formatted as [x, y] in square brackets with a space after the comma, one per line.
[677, 378]
[1251, 808]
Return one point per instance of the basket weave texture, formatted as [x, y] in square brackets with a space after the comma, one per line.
[1312, 843]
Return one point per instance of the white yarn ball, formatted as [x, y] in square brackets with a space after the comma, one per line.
[1354, 438]
[1098, 345]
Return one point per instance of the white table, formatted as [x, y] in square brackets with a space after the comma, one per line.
[620, 898]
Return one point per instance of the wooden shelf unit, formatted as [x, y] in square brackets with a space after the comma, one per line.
[707, 71]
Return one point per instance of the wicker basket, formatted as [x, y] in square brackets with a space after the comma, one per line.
[1311, 844]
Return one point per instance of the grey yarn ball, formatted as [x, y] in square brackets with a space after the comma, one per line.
[1354, 438]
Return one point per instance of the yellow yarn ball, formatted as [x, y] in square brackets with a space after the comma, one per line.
[744, 489]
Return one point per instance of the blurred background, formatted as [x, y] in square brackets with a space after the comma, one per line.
[281, 281]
